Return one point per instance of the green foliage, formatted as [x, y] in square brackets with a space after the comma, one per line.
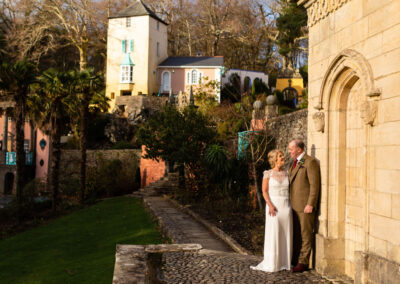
[304, 74]
[79, 247]
[216, 159]
[284, 110]
[96, 126]
[123, 145]
[304, 99]
[272, 78]
[290, 22]
[231, 90]
[176, 137]
[259, 87]
[204, 95]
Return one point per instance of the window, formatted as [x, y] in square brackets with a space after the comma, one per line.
[26, 146]
[126, 73]
[128, 22]
[194, 77]
[158, 25]
[158, 49]
[112, 96]
[127, 46]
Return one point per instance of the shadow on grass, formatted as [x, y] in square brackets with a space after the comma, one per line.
[77, 248]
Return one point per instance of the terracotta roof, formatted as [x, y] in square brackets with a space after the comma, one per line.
[137, 9]
[198, 61]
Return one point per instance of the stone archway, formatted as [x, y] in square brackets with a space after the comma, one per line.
[347, 91]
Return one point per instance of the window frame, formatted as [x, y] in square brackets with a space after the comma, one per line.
[199, 77]
[128, 22]
[126, 74]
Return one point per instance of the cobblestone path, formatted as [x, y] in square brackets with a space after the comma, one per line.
[216, 262]
[209, 267]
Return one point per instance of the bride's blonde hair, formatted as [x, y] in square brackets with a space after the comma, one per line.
[273, 157]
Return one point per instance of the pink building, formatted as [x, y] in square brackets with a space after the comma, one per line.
[36, 147]
[179, 74]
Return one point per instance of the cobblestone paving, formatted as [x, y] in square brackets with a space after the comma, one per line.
[215, 263]
[208, 267]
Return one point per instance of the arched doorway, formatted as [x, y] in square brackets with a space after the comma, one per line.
[346, 88]
[166, 81]
[8, 183]
[247, 84]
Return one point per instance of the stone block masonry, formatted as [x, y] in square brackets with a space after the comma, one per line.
[286, 127]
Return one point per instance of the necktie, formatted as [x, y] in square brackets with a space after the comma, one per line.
[295, 163]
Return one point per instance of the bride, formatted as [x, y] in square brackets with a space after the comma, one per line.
[278, 217]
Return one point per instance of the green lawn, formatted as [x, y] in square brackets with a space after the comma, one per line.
[77, 248]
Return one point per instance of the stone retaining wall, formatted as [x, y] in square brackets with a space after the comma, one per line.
[286, 127]
[70, 159]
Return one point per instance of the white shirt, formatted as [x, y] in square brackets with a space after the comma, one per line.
[300, 156]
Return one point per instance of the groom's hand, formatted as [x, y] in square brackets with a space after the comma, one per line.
[308, 209]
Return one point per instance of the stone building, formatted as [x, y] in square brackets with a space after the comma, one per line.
[354, 127]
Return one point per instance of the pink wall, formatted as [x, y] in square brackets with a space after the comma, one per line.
[11, 130]
[150, 170]
[178, 77]
[41, 171]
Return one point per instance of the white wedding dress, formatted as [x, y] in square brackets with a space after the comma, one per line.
[278, 228]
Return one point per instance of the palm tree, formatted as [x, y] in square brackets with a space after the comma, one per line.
[15, 81]
[50, 109]
[89, 93]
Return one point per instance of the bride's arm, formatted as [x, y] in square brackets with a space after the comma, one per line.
[265, 189]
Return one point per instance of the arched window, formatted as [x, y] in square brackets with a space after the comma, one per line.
[166, 81]
[194, 77]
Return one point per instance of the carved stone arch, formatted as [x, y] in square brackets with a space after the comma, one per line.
[348, 59]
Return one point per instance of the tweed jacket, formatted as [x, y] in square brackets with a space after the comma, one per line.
[305, 183]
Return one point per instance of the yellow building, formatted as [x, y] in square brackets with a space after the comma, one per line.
[296, 83]
[137, 43]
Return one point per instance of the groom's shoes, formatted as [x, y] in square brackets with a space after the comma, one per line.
[299, 268]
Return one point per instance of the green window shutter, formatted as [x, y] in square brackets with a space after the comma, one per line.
[124, 46]
[131, 46]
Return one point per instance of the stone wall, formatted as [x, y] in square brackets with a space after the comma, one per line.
[70, 159]
[354, 101]
[286, 127]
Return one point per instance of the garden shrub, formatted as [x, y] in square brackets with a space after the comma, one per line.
[123, 145]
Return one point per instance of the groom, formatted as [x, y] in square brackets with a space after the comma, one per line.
[305, 180]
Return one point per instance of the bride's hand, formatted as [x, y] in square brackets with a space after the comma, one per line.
[272, 210]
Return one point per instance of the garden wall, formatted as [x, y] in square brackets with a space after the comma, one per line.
[286, 127]
[70, 159]
[109, 172]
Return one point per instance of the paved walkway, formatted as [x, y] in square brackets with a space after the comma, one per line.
[181, 228]
[5, 200]
[216, 262]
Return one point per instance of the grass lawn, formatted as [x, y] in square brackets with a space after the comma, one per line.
[77, 248]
